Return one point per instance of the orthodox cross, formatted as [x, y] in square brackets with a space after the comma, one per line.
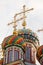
[39, 30]
[16, 20]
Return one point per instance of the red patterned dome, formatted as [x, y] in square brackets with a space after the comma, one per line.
[40, 53]
[13, 40]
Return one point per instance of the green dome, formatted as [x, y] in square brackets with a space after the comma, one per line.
[29, 36]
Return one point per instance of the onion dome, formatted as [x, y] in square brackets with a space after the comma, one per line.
[39, 54]
[13, 40]
[29, 36]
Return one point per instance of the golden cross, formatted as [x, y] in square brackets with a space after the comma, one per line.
[39, 30]
[15, 25]
[23, 12]
[24, 22]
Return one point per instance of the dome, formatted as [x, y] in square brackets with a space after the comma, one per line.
[24, 35]
[39, 54]
[29, 36]
[13, 40]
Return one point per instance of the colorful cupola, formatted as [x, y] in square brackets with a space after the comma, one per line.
[20, 47]
[29, 36]
[39, 54]
[13, 40]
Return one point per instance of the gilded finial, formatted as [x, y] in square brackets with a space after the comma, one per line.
[24, 11]
[16, 20]
[24, 22]
[15, 25]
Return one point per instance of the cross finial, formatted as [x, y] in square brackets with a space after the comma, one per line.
[24, 22]
[16, 20]
[40, 30]
[24, 11]
[15, 25]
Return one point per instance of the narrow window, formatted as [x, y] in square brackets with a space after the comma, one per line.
[10, 54]
[16, 55]
[27, 55]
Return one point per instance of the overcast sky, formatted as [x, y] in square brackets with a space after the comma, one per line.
[34, 19]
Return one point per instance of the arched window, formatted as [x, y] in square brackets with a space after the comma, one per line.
[27, 55]
[10, 55]
[28, 51]
[16, 55]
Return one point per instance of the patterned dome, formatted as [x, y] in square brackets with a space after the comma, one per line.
[13, 40]
[39, 53]
[29, 36]
[24, 35]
